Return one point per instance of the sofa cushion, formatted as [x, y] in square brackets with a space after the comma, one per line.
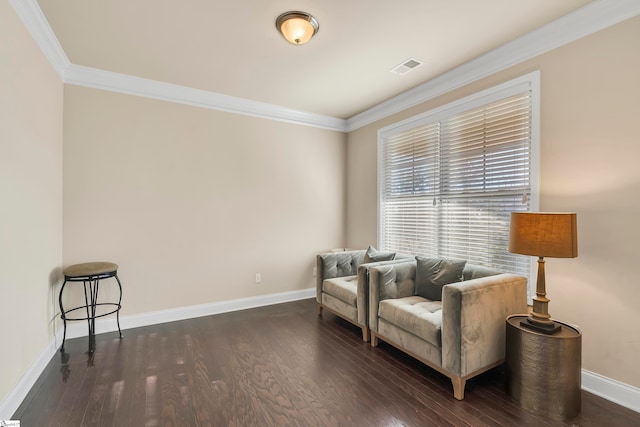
[433, 273]
[374, 255]
[472, 272]
[337, 264]
[343, 288]
[396, 281]
[416, 315]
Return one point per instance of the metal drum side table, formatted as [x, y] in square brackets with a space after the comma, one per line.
[544, 371]
[90, 273]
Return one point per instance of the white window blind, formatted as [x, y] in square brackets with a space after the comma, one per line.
[449, 181]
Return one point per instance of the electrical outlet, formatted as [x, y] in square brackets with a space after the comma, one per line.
[258, 278]
[315, 271]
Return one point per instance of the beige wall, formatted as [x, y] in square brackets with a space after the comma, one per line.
[30, 198]
[590, 145]
[192, 203]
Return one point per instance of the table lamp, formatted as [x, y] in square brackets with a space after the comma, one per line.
[543, 234]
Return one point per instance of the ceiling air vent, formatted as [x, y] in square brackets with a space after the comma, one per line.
[406, 66]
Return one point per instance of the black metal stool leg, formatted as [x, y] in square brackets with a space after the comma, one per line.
[119, 304]
[94, 304]
[91, 298]
[86, 305]
[63, 316]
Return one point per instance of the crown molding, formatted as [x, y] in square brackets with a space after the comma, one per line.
[123, 83]
[34, 20]
[587, 20]
[36, 23]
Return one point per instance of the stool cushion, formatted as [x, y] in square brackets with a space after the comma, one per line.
[89, 269]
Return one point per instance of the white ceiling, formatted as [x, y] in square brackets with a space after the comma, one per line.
[233, 48]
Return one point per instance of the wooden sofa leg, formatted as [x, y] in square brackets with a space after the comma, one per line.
[320, 310]
[366, 336]
[458, 387]
[374, 340]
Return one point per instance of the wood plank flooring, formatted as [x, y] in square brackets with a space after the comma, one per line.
[272, 366]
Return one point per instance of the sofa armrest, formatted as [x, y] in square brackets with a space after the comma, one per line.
[473, 320]
[336, 264]
[395, 280]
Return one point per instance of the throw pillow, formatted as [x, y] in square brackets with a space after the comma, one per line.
[433, 273]
[374, 255]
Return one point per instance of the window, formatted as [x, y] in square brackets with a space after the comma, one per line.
[450, 178]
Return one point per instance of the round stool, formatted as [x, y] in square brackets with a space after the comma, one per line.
[90, 274]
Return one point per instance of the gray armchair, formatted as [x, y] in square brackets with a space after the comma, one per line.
[342, 284]
[461, 336]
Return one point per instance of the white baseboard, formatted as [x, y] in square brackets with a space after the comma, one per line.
[615, 391]
[79, 329]
[9, 405]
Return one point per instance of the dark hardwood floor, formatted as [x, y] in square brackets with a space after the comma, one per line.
[272, 366]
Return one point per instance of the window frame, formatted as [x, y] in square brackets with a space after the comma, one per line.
[528, 82]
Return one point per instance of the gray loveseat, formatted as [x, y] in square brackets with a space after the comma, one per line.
[460, 336]
[342, 283]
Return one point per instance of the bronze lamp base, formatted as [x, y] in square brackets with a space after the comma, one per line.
[548, 329]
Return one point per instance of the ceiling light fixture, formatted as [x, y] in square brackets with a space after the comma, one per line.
[297, 27]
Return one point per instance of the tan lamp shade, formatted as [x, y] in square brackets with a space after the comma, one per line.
[297, 27]
[544, 234]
